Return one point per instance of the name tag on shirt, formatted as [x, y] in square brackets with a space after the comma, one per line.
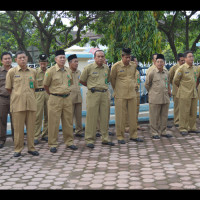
[94, 72]
[187, 72]
[16, 76]
[121, 71]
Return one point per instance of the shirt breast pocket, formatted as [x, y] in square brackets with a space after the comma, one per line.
[121, 73]
[95, 75]
[40, 82]
[17, 81]
[57, 81]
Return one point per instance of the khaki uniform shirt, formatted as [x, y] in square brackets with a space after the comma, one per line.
[3, 90]
[171, 77]
[150, 68]
[22, 96]
[40, 77]
[58, 80]
[185, 79]
[123, 80]
[75, 88]
[157, 86]
[96, 77]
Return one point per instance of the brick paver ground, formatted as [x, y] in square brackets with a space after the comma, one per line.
[154, 164]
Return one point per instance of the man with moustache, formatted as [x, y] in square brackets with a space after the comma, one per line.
[157, 85]
[21, 84]
[57, 82]
[6, 60]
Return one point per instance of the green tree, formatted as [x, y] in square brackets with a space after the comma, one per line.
[180, 29]
[134, 29]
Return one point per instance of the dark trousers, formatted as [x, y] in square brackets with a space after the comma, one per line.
[4, 111]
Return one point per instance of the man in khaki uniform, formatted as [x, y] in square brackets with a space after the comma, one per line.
[57, 82]
[42, 100]
[137, 89]
[186, 80]
[181, 61]
[21, 83]
[123, 83]
[158, 87]
[76, 95]
[6, 60]
[96, 77]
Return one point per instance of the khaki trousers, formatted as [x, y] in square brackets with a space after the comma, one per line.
[4, 111]
[158, 115]
[98, 121]
[138, 109]
[42, 104]
[121, 107]
[60, 108]
[187, 114]
[19, 119]
[77, 115]
[176, 110]
[97, 106]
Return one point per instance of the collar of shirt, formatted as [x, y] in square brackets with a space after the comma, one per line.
[19, 68]
[3, 68]
[95, 65]
[58, 68]
[122, 64]
[74, 71]
[163, 71]
[188, 65]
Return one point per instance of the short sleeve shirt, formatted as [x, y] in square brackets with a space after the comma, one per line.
[3, 90]
[157, 86]
[23, 84]
[58, 80]
[96, 77]
[185, 79]
[123, 80]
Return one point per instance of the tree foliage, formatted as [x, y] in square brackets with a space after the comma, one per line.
[134, 29]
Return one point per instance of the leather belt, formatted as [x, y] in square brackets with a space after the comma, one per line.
[7, 97]
[39, 89]
[61, 95]
[96, 90]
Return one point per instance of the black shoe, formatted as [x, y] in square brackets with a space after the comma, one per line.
[80, 135]
[45, 139]
[36, 142]
[72, 147]
[34, 153]
[194, 131]
[98, 134]
[166, 135]
[17, 154]
[156, 137]
[90, 145]
[176, 125]
[108, 143]
[137, 139]
[53, 150]
[121, 142]
[110, 133]
[183, 133]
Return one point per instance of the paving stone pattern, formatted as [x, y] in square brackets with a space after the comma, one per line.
[170, 164]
